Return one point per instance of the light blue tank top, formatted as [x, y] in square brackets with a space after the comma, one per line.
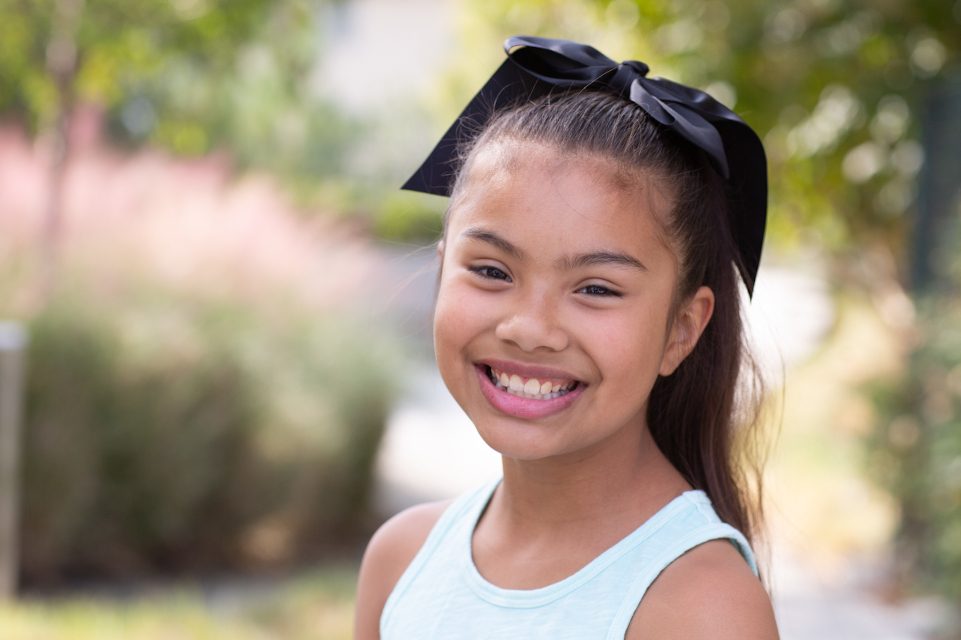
[442, 596]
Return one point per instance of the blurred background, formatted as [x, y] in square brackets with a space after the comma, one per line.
[229, 381]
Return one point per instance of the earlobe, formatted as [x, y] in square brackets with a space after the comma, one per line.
[440, 249]
[689, 324]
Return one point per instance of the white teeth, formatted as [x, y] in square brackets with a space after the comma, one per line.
[533, 389]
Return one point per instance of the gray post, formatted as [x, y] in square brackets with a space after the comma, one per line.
[939, 190]
[13, 340]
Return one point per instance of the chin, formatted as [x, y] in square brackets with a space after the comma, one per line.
[521, 440]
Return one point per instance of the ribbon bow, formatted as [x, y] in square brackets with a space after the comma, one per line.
[542, 65]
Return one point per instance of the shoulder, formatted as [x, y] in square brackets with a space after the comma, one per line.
[389, 553]
[708, 593]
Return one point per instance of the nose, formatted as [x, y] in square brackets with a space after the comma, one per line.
[533, 323]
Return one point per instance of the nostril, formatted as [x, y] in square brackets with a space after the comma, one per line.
[530, 331]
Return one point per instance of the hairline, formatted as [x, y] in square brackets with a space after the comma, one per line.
[626, 177]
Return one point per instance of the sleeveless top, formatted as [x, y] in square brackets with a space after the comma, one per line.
[442, 596]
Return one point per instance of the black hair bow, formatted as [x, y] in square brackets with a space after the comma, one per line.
[542, 65]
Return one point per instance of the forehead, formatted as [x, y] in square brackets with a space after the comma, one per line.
[576, 200]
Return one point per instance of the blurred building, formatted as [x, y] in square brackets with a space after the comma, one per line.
[376, 52]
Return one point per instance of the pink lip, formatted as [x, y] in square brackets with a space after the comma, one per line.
[526, 408]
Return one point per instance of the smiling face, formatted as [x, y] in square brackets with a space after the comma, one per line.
[556, 275]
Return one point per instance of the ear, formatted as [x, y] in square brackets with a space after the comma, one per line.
[689, 324]
[440, 249]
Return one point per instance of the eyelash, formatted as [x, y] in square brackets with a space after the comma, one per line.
[493, 273]
[486, 271]
[599, 291]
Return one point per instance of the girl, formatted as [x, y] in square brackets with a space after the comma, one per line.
[588, 322]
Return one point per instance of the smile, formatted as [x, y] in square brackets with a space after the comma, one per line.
[512, 398]
[531, 388]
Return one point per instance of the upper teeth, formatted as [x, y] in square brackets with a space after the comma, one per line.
[532, 387]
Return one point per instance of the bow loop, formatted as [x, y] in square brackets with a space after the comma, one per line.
[537, 66]
[555, 63]
[643, 98]
[623, 78]
[639, 67]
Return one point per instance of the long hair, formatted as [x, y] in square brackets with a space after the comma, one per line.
[704, 417]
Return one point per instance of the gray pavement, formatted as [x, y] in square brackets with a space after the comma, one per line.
[844, 607]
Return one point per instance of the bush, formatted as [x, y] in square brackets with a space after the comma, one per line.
[199, 395]
[916, 452]
[403, 217]
[168, 433]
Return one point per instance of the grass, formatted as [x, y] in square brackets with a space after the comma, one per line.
[313, 606]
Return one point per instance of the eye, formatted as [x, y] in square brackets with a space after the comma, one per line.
[598, 290]
[489, 272]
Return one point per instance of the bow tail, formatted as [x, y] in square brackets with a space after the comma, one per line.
[683, 121]
[507, 86]
[693, 127]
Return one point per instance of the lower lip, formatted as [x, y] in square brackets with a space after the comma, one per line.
[527, 408]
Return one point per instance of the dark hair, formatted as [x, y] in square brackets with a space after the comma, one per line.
[705, 416]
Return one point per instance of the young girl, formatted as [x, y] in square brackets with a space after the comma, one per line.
[588, 322]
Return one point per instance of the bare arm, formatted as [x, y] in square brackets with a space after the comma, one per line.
[388, 555]
[709, 593]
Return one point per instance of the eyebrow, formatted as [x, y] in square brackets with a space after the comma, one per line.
[491, 238]
[568, 264]
[603, 257]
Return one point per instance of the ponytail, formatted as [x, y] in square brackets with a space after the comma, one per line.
[705, 416]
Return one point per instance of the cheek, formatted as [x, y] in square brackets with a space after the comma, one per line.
[458, 317]
[628, 349]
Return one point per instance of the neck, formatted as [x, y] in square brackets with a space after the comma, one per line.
[624, 478]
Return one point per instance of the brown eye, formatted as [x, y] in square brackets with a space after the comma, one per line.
[598, 290]
[492, 273]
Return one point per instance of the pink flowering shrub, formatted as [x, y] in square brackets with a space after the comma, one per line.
[201, 394]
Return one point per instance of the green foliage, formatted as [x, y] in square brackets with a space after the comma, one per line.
[835, 88]
[405, 217]
[115, 44]
[916, 451]
[190, 435]
[189, 75]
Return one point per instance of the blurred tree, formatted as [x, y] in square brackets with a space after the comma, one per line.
[190, 75]
[834, 88]
[915, 453]
[132, 54]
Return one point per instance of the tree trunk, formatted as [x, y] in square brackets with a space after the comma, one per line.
[62, 67]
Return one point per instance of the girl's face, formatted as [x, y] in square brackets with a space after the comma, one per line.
[556, 276]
